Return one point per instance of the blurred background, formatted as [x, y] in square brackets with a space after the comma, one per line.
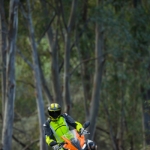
[90, 56]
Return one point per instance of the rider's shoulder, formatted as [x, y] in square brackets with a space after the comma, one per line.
[64, 115]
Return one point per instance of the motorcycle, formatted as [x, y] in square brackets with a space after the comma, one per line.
[76, 141]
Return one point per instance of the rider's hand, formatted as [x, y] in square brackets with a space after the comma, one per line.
[81, 130]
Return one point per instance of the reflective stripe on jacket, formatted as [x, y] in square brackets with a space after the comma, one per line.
[59, 128]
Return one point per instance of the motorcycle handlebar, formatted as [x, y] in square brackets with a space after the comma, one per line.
[84, 132]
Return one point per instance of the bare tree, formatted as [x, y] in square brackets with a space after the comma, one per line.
[10, 77]
[36, 71]
[99, 63]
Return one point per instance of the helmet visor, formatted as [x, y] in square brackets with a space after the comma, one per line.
[54, 114]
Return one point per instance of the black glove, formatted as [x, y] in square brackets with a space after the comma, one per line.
[53, 143]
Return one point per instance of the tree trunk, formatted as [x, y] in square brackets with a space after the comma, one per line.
[71, 23]
[111, 132]
[3, 45]
[145, 92]
[55, 72]
[121, 128]
[10, 77]
[136, 2]
[52, 39]
[99, 63]
[84, 84]
[36, 71]
[44, 84]
[66, 76]
[86, 78]
[146, 116]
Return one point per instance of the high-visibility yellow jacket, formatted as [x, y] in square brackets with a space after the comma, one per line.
[55, 129]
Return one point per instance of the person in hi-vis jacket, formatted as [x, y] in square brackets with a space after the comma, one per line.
[58, 124]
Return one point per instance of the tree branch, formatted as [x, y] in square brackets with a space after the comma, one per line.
[71, 21]
[62, 14]
[18, 141]
[46, 29]
[99, 128]
[25, 59]
[86, 60]
[32, 142]
[27, 83]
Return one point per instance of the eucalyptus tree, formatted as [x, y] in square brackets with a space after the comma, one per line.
[10, 76]
[36, 71]
[84, 56]
[53, 51]
[53, 43]
[69, 28]
[99, 64]
[3, 46]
